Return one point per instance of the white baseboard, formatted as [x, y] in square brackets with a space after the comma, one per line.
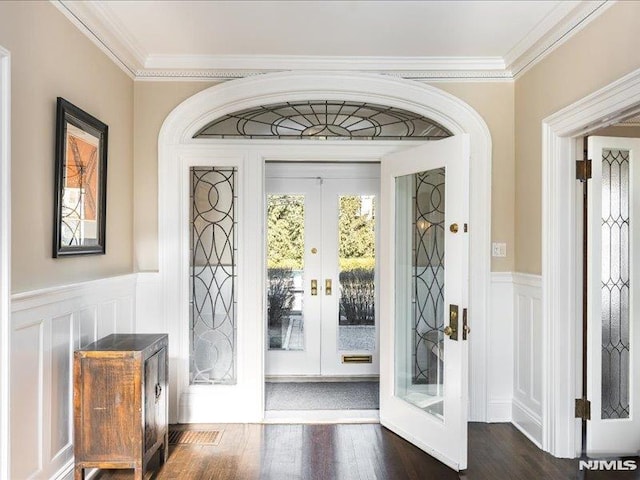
[499, 410]
[528, 422]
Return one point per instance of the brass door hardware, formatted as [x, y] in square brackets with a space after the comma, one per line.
[314, 250]
[314, 287]
[453, 228]
[451, 330]
[327, 286]
[357, 358]
[465, 326]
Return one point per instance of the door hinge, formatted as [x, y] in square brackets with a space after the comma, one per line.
[583, 408]
[583, 170]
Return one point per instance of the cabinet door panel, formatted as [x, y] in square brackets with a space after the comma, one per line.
[150, 383]
[108, 404]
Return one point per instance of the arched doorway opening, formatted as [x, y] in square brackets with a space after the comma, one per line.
[179, 150]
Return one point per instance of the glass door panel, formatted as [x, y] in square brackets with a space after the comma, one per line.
[356, 262]
[420, 251]
[285, 271]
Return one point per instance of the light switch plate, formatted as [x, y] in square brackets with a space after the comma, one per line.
[498, 249]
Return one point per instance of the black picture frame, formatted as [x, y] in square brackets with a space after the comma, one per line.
[80, 199]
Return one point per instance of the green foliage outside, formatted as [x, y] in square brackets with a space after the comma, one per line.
[285, 231]
[285, 237]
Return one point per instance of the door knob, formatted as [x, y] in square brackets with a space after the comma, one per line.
[448, 331]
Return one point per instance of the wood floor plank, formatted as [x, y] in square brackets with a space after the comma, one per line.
[355, 452]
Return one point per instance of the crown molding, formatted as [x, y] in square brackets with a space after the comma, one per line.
[98, 23]
[564, 21]
[323, 63]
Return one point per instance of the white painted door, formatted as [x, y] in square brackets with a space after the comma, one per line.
[321, 316]
[613, 302]
[423, 290]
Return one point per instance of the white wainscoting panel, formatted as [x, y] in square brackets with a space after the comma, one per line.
[528, 365]
[500, 348]
[46, 327]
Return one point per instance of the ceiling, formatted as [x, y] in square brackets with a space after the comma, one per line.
[418, 39]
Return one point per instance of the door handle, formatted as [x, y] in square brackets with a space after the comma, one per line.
[314, 287]
[451, 330]
[327, 286]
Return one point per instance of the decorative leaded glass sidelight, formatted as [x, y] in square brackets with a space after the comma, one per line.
[213, 276]
[322, 119]
[615, 284]
[428, 276]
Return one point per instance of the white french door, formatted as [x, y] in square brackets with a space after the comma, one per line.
[613, 303]
[321, 240]
[423, 296]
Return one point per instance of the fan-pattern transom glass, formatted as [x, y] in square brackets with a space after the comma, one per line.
[322, 119]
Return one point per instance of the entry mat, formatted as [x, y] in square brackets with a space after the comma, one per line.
[322, 396]
[195, 437]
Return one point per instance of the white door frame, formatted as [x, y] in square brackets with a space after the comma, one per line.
[176, 140]
[561, 251]
[5, 255]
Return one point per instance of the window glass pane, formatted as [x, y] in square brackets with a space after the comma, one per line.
[325, 119]
[356, 250]
[213, 276]
[420, 254]
[615, 284]
[285, 271]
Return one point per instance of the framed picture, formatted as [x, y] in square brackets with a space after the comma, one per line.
[81, 182]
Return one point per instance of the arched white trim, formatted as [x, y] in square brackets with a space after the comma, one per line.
[175, 144]
[5, 257]
[561, 250]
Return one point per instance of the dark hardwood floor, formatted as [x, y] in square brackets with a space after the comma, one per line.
[357, 452]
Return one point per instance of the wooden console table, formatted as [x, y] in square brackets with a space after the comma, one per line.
[120, 402]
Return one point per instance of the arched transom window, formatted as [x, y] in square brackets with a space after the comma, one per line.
[322, 119]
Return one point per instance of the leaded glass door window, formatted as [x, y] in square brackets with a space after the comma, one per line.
[613, 309]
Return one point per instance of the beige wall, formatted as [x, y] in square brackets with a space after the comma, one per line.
[495, 103]
[155, 100]
[602, 52]
[50, 57]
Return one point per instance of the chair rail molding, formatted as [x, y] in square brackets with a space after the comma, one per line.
[175, 145]
[561, 297]
[5, 257]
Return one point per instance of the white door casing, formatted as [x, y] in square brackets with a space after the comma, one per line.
[176, 144]
[5, 256]
[445, 439]
[613, 436]
[561, 254]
